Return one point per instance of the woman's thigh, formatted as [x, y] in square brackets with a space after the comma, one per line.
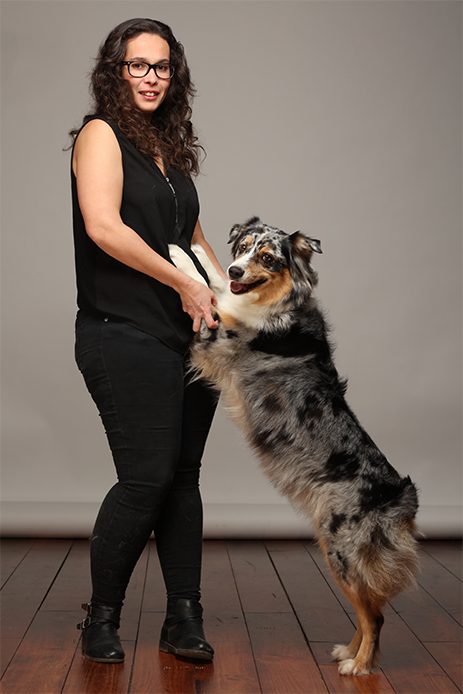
[137, 383]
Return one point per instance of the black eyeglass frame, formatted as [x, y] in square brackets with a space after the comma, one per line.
[153, 66]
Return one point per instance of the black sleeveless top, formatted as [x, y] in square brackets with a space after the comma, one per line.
[161, 210]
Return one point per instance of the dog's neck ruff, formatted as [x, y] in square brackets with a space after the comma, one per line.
[244, 310]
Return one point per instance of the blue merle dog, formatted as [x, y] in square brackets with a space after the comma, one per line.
[272, 360]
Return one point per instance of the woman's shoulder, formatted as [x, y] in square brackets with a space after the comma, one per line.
[96, 139]
[97, 124]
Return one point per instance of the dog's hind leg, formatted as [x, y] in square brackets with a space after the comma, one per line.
[341, 651]
[344, 652]
[370, 621]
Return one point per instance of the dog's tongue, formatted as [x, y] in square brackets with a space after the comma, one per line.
[238, 287]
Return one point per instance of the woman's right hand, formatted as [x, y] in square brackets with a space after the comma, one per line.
[197, 301]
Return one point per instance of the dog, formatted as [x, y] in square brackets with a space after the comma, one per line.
[272, 359]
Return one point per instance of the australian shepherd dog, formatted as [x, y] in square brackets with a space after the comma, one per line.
[271, 358]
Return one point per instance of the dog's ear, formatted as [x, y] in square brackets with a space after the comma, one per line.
[238, 230]
[300, 249]
[235, 232]
[304, 245]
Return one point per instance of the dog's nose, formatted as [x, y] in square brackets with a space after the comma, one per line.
[235, 272]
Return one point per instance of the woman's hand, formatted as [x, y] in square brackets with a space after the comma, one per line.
[197, 301]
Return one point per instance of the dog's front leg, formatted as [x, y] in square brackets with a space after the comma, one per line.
[217, 283]
[184, 263]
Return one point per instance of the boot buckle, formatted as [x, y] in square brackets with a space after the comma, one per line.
[87, 621]
[84, 623]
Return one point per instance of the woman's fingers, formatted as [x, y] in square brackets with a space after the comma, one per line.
[198, 302]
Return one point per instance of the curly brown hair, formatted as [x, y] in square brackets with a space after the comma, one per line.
[171, 136]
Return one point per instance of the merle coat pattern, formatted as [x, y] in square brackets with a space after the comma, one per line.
[272, 359]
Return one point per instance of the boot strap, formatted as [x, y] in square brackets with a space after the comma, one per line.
[181, 620]
[90, 619]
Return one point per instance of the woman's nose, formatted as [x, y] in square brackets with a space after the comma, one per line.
[151, 77]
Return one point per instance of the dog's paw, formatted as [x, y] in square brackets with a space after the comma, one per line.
[206, 334]
[352, 667]
[341, 652]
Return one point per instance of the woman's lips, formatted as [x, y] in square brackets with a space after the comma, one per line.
[149, 96]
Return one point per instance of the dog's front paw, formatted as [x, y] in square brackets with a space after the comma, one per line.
[207, 334]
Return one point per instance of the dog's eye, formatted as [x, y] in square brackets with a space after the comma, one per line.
[266, 258]
[242, 247]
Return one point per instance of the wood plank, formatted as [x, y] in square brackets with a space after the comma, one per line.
[96, 678]
[444, 587]
[7, 651]
[407, 664]
[318, 610]
[73, 581]
[27, 587]
[220, 595]
[450, 658]
[446, 552]
[12, 552]
[284, 661]
[364, 684]
[339, 684]
[234, 666]
[42, 660]
[425, 617]
[258, 585]
[154, 598]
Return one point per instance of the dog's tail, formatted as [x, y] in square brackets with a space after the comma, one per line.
[389, 562]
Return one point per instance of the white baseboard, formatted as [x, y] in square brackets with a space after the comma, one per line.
[226, 520]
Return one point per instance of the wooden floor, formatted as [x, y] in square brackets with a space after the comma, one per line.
[272, 614]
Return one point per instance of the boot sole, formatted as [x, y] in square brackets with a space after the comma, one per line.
[103, 660]
[166, 647]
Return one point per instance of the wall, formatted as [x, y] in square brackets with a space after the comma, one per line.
[342, 119]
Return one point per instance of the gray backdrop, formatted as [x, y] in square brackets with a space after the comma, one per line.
[342, 119]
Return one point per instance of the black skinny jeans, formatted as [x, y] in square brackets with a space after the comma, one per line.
[157, 424]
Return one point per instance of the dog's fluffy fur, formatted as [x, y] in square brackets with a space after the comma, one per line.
[272, 360]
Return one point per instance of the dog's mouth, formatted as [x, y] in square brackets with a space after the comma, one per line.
[241, 288]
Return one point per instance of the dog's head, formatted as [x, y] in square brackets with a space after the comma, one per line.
[273, 262]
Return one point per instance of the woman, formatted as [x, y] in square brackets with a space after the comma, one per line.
[132, 192]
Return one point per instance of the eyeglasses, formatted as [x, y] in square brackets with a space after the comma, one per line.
[138, 68]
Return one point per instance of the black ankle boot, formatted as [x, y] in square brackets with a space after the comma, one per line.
[100, 641]
[182, 632]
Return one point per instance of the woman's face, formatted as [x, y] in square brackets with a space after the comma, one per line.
[148, 92]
